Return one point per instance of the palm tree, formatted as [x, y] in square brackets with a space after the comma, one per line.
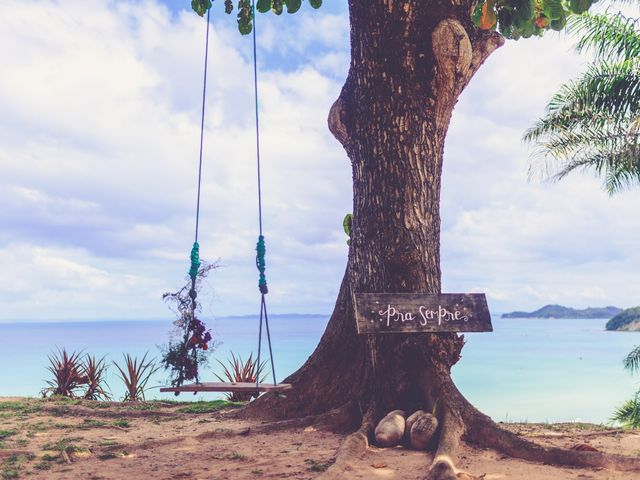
[628, 414]
[593, 122]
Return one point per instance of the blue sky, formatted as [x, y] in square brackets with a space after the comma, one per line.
[98, 155]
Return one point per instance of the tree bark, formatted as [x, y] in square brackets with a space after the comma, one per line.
[410, 61]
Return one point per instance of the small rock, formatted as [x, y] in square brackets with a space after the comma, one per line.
[390, 430]
[410, 421]
[422, 431]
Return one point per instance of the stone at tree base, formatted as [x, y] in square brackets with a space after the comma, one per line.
[422, 431]
[410, 421]
[390, 430]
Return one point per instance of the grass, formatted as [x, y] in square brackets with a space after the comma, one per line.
[7, 433]
[208, 407]
[12, 466]
[65, 444]
[318, 466]
[122, 423]
[92, 423]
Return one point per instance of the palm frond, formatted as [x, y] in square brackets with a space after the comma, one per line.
[609, 37]
[632, 360]
[628, 414]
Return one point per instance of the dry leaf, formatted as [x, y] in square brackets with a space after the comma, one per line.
[379, 465]
[310, 429]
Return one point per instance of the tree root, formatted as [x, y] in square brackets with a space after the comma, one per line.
[485, 433]
[451, 432]
[355, 445]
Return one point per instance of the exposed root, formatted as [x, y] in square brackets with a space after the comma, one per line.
[485, 433]
[451, 432]
[354, 446]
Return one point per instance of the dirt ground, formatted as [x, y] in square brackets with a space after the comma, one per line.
[165, 440]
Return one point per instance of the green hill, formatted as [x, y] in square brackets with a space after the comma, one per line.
[558, 311]
[628, 320]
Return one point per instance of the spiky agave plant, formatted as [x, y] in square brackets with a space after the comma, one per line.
[68, 376]
[135, 374]
[238, 371]
[95, 370]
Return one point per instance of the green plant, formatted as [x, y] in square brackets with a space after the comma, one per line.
[207, 407]
[593, 122]
[136, 374]
[628, 414]
[94, 372]
[67, 374]
[239, 371]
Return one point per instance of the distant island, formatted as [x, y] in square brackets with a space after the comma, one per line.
[626, 321]
[558, 311]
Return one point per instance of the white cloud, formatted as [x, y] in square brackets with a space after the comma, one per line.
[99, 134]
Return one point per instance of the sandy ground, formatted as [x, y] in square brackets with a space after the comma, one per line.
[158, 440]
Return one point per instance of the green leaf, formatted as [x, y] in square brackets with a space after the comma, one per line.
[315, 3]
[228, 6]
[200, 6]
[263, 6]
[580, 6]
[553, 9]
[277, 7]
[558, 24]
[505, 19]
[293, 5]
[523, 9]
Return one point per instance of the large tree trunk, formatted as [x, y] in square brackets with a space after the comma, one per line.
[410, 60]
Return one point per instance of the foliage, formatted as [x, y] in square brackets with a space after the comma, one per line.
[624, 318]
[632, 360]
[191, 342]
[136, 374]
[513, 18]
[245, 9]
[207, 407]
[94, 372]
[593, 122]
[67, 374]
[240, 371]
[628, 414]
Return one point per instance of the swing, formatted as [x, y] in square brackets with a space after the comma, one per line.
[234, 387]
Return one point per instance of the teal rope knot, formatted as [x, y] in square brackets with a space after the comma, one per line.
[195, 261]
[261, 250]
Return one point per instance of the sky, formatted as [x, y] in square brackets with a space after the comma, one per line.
[99, 130]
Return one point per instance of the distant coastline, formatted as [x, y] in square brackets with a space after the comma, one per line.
[559, 311]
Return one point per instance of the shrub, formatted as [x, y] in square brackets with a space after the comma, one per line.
[94, 371]
[136, 374]
[239, 371]
[67, 374]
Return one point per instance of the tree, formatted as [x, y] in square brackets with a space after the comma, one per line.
[593, 122]
[410, 60]
[628, 414]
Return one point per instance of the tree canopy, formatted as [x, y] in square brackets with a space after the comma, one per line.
[514, 19]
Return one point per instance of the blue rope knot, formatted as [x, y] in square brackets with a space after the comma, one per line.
[195, 261]
[261, 250]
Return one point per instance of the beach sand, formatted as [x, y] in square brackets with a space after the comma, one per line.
[161, 440]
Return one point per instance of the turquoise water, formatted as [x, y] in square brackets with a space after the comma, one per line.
[527, 369]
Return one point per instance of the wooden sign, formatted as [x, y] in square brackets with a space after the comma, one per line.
[421, 312]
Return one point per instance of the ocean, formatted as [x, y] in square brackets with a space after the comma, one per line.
[534, 370]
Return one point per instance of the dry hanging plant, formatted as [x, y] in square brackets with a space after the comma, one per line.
[191, 341]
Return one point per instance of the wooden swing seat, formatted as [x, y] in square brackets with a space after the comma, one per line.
[232, 387]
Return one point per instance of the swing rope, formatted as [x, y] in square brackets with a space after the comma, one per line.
[260, 247]
[195, 250]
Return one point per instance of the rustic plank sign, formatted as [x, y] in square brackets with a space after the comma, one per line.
[420, 312]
